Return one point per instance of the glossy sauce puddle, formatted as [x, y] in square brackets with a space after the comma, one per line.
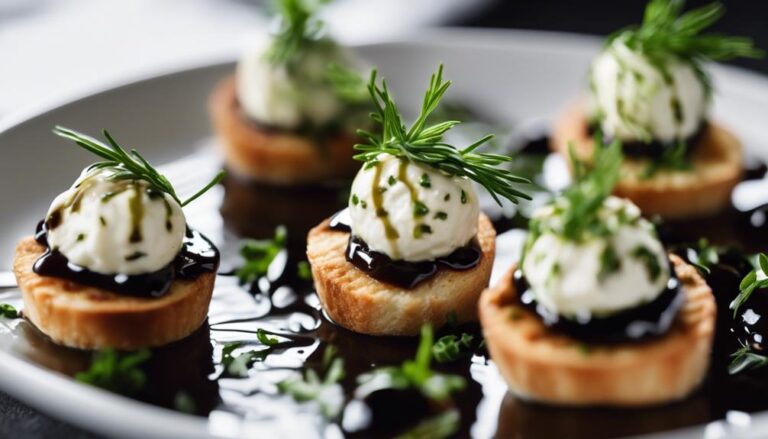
[285, 306]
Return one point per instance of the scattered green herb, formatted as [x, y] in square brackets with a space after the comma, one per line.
[419, 209]
[326, 392]
[8, 311]
[439, 426]
[131, 166]
[424, 181]
[441, 216]
[421, 229]
[744, 359]
[183, 402]
[265, 339]
[298, 27]
[355, 200]
[423, 144]
[259, 254]
[463, 197]
[391, 180]
[750, 283]
[116, 371]
[452, 347]
[238, 366]
[347, 83]
[304, 271]
[674, 158]
[415, 374]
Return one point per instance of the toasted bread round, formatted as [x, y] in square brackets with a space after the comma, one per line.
[363, 304]
[547, 366]
[702, 190]
[86, 317]
[274, 155]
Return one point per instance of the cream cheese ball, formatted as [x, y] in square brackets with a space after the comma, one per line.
[115, 226]
[622, 266]
[412, 212]
[291, 95]
[636, 100]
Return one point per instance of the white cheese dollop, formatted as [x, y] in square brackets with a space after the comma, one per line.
[633, 101]
[429, 214]
[115, 226]
[288, 96]
[571, 278]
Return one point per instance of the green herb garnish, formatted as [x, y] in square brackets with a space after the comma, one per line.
[265, 339]
[415, 374]
[8, 311]
[259, 254]
[347, 83]
[666, 31]
[439, 426]
[326, 392]
[116, 371]
[674, 158]
[298, 27]
[419, 209]
[424, 181]
[304, 271]
[131, 166]
[609, 262]
[423, 144]
[237, 366]
[744, 359]
[750, 283]
[452, 347]
[646, 256]
[703, 255]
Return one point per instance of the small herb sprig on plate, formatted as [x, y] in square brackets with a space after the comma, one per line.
[666, 30]
[236, 366]
[130, 166]
[326, 392]
[744, 359]
[414, 374]
[8, 311]
[116, 371]
[451, 347]
[751, 282]
[422, 143]
[259, 254]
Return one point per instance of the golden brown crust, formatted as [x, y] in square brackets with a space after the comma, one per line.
[363, 304]
[275, 156]
[543, 365]
[701, 191]
[85, 317]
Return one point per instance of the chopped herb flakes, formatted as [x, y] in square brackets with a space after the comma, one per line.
[424, 181]
[463, 197]
[419, 209]
[355, 200]
[391, 180]
[647, 257]
[259, 254]
[609, 262]
[421, 229]
[441, 216]
[116, 371]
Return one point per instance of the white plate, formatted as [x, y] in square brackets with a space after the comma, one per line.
[513, 76]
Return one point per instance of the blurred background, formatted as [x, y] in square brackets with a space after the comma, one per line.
[55, 50]
[52, 50]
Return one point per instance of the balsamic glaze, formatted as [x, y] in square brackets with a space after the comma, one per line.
[404, 274]
[654, 149]
[641, 322]
[197, 256]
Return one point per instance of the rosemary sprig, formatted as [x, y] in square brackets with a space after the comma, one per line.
[422, 143]
[750, 283]
[593, 184]
[666, 30]
[130, 166]
[298, 25]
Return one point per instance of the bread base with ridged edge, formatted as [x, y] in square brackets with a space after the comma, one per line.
[703, 190]
[363, 304]
[273, 155]
[547, 366]
[85, 317]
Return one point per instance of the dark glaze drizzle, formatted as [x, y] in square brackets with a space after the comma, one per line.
[197, 256]
[655, 148]
[642, 322]
[403, 274]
